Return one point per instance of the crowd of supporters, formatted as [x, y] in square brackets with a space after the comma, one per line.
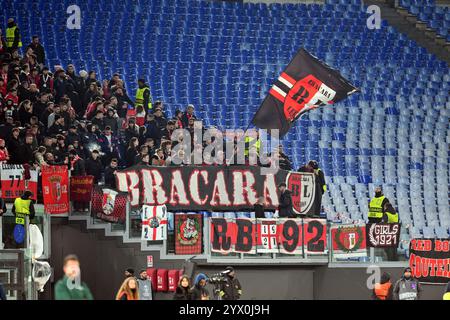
[51, 116]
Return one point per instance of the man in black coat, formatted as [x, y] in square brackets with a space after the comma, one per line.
[132, 131]
[160, 120]
[77, 164]
[14, 147]
[231, 289]
[110, 178]
[38, 50]
[6, 128]
[58, 127]
[94, 166]
[259, 208]
[27, 151]
[313, 167]
[122, 101]
[73, 135]
[285, 202]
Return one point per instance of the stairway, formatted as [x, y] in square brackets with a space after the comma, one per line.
[161, 248]
[404, 22]
[115, 230]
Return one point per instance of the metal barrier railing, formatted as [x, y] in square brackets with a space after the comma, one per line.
[330, 254]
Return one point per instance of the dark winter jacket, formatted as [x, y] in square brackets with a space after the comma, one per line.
[79, 168]
[112, 123]
[131, 132]
[285, 163]
[259, 211]
[182, 294]
[110, 178]
[407, 289]
[39, 51]
[231, 289]
[27, 154]
[285, 205]
[94, 168]
[320, 181]
[130, 157]
[198, 291]
[14, 147]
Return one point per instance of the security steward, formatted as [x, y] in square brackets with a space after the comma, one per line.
[23, 207]
[376, 206]
[390, 216]
[252, 144]
[13, 39]
[384, 289]
[143, 96]
[231, 289]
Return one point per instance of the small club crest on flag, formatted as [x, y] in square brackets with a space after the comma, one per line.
[306, 83]
[154, 223]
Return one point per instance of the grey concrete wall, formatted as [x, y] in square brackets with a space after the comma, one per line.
[103, 261]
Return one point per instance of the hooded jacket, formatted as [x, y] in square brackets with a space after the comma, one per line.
[407, 288]
[285, 206]
[198, 291]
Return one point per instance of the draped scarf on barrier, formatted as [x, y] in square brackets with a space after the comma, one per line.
[251, 236]
[214, 188]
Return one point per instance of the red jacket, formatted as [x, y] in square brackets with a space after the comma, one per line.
[4, 155]
[15, 99]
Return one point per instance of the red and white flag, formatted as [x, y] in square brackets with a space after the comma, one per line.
[267, 236]
[154, 223]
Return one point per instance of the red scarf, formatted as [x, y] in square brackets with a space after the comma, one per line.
[75, 159]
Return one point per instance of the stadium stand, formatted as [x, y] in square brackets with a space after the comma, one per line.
[436, 17]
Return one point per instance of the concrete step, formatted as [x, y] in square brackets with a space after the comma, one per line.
[406, 23]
